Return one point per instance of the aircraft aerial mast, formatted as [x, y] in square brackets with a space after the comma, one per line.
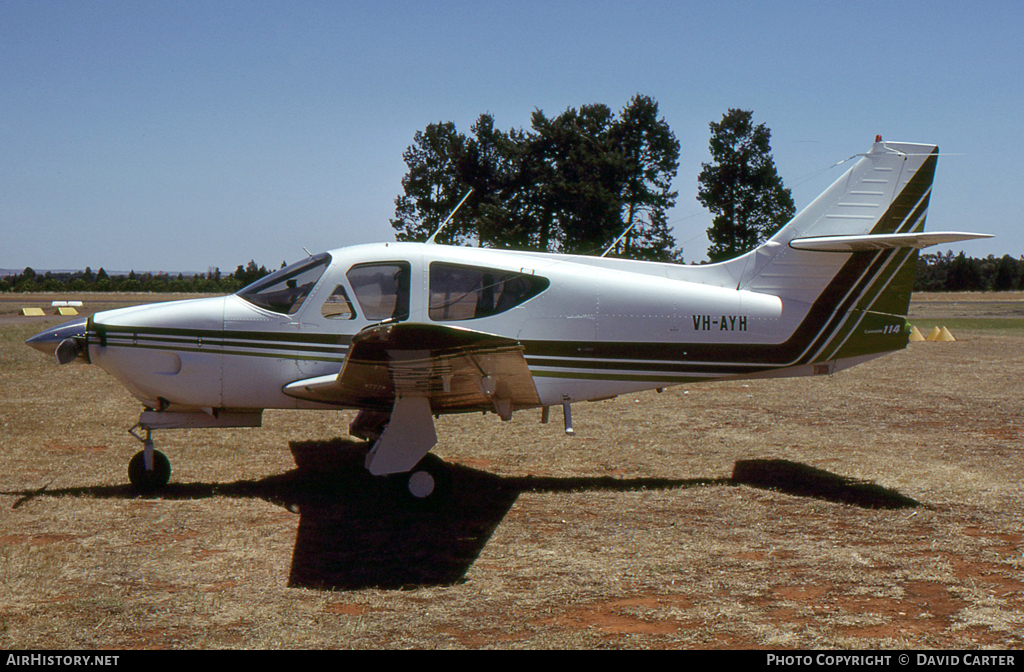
[449, 218]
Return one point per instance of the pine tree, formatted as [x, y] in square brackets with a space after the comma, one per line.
[432, 186]
[650, 157]
[741, 187]
[580, 178]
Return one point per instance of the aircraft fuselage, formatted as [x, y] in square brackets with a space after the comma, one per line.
[589, 332]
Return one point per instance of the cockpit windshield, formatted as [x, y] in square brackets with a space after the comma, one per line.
[284, 291]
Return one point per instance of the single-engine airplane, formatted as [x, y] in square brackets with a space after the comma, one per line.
[403, 332]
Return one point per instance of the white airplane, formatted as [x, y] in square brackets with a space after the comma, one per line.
[403, 332]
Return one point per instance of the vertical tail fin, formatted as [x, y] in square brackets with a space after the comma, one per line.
[886, 192]
[844, 266]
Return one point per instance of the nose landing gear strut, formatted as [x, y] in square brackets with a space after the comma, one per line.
[149, 470]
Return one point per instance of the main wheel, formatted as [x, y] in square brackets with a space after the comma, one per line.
[428, 484]
[151, 480]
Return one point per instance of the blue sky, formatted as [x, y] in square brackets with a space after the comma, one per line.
[179, 136]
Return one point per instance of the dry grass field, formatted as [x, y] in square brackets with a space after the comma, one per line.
[877, 508]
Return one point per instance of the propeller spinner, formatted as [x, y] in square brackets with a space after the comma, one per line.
[67, 342]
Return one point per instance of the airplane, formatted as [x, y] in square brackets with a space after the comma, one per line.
[404, 332]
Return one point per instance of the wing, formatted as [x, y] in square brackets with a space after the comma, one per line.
[456, 369]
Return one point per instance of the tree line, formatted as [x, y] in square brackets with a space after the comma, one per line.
[947, 272]
[212, 282]
[588, 181]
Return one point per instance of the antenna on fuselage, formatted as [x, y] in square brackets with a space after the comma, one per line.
[628, 229]
[430, 240]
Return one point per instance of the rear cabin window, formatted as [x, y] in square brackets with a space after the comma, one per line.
[284, 291]
[468, 292]
[382, 290]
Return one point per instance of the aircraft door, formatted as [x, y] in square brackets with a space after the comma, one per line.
[342, 305]
[383, 290]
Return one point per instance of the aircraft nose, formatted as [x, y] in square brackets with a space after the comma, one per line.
[65, 341]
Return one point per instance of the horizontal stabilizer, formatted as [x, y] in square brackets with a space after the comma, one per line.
[881, 241]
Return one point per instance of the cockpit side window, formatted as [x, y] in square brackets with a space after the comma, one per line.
[337, 306]
[284, 291]
[469, 292]
[382, 290]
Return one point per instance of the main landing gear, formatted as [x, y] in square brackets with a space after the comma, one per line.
[149, 470]
[400, 442]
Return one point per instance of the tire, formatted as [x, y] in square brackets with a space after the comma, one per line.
[427, 485]
[149, 481]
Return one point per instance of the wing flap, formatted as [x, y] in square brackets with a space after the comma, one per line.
[457, 369]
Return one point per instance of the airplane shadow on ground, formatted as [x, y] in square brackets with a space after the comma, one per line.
[356, 532]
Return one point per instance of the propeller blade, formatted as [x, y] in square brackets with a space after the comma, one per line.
[69, 350]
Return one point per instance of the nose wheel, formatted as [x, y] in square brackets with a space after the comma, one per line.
[149, 470]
